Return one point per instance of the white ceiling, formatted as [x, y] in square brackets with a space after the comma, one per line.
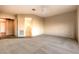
[41, 10]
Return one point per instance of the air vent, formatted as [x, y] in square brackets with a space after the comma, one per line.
[21, 32]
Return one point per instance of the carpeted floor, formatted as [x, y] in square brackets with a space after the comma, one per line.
[43, 44]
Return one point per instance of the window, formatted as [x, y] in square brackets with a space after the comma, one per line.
[2, 25]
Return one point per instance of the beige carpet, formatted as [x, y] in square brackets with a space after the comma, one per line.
[43, 44]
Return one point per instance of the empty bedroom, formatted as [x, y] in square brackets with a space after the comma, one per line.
[39, 29]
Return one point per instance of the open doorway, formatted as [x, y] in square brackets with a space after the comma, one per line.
[28, 27]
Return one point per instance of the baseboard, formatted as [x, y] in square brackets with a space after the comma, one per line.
[58, 36]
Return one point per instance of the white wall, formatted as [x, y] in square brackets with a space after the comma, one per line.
[61, 25]
[4, 15]
[37, 25]
[16, 26]
[78, 24]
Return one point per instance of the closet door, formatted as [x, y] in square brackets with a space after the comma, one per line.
[9, 27]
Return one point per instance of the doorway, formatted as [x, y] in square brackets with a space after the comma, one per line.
[28, 27]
